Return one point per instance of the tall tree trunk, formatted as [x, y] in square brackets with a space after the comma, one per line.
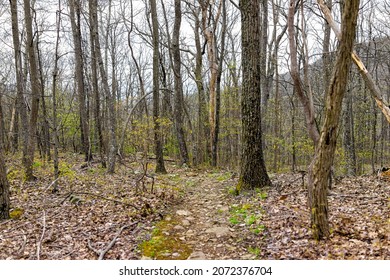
[96, 91]
[110, 98]
[209, 33]
[220, 59]
[4, 185]
[178, 83]
[21, 105]
[36, 91]
[323, 159]
[75, 14]
[202, 129]
[44, 117]
[160, 167]
[54, 96]
[253, 172]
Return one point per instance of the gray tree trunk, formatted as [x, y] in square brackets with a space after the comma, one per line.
[110, 98]
[160, 167]
[75, 14]
[178, 83]
[36, 91]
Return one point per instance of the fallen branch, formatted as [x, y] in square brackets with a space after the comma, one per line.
[51, 184]
[102, 252]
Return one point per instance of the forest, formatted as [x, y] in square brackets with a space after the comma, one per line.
[194, 129]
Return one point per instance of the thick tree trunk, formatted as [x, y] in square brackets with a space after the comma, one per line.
[253, 172]
[323, 159]
[178, 83]
[160, 167]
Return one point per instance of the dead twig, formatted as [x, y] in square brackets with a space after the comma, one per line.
[101, 253]
[51, 184]
[21, 250]
[39, 244]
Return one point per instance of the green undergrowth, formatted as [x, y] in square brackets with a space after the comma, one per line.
[220, 176]
[248, 216]
[164, 244]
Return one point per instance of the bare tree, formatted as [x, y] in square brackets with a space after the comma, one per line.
[179, 100]
[75, 19]
[54, 96]
[21, 105]
[110, 98]
[323, 159]
[160, 167]
[35, 89]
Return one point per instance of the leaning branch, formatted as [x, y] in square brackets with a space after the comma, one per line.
[374, 90]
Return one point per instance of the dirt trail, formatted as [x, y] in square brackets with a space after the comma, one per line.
[203, 221]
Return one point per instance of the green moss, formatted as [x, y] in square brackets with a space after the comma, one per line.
[161, 246]
[37, 164]
[254, 251]
[66, 170]
[14, 175]
[16, 213]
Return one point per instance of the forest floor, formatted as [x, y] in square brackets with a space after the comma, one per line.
[186, 214]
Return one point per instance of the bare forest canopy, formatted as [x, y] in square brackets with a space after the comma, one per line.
[125, 33]
[140, 89]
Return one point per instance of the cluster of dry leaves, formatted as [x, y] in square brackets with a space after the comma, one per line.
[100, 216]
[359, 214]
[94, 215]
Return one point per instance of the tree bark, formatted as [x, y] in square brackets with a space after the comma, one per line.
[209, 33]
[178, 84]
[36, 91]
[203, 128]
[21, 105]
[253, 172]
[54, 96]
[160, 167]
[323, 159]
[96, 91]
[75, 14]
[4, 185]
[110, 98]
